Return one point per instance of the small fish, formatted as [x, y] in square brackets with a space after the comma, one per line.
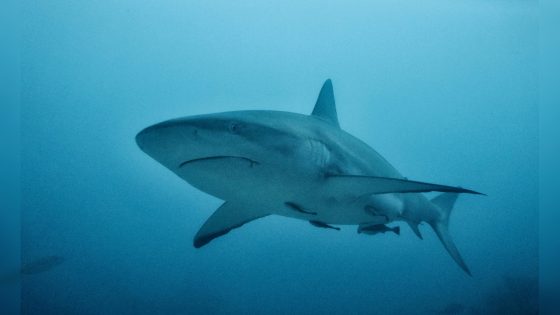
[373, 229]
[323, 225]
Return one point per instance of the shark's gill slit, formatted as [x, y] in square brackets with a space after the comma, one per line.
[220, 157]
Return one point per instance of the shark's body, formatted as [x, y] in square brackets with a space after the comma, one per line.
[294, 165]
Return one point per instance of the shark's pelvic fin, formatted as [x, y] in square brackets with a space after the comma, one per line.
[325, 107]
[445, 202]
[228, 217]
[366, 185]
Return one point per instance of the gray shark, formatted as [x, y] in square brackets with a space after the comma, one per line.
[263, 162]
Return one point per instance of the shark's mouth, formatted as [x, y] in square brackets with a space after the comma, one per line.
[217, 158]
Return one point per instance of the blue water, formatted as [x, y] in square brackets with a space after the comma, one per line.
[447, 91]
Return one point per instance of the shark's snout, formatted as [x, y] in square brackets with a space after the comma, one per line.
[157, 134]
[149, 138]
[174, 141]
[141, 137]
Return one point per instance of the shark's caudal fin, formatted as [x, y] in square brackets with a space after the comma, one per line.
[445, 202]
[325, 107]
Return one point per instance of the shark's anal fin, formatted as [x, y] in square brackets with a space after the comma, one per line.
[358, 185]
[298, 208]
[415, 229]
[228, 217]
[323, 225]
[325, 107]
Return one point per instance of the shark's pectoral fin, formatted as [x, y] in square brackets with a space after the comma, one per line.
[357, 185]
[228, 217]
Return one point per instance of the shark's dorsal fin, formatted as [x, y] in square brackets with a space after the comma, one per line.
[325, 107]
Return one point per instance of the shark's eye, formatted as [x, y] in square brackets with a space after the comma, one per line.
[234, 127]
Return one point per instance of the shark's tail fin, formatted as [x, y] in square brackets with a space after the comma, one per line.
[445, 203]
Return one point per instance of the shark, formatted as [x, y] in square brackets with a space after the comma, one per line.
[265, 162]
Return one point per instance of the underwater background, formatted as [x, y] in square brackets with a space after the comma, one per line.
[447, 91]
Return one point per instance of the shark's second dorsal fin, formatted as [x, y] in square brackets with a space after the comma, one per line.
[325, 107]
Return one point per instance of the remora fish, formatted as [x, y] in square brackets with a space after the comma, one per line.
[373, 229]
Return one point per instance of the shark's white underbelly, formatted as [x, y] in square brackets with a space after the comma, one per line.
[282, 191]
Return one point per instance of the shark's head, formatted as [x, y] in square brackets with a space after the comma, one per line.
[177, 141]
[217, 150]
